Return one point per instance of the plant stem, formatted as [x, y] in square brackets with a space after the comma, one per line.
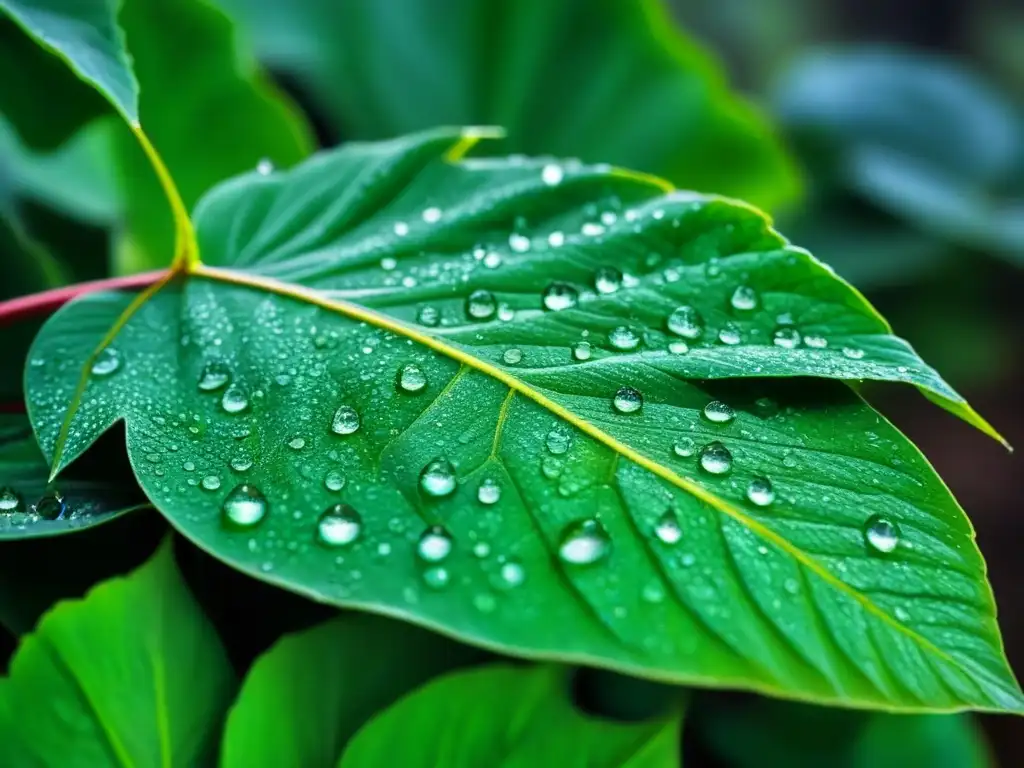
[47, 301]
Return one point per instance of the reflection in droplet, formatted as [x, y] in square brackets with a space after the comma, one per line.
[437, 478]
[581, 350]
[718, 412]
[716, 458]
[584, 542]
[434, 545]
[334, 480]
[760, 491]
[787, 338]
[234, 399]
[667, 529]
[623, 337]
[881, 534]
[558, 440]
[744, 298]
[339, 525]
[345, 420]
[687, 322]
[51, 505]
[411, 378]
[559, 296]
[481, 305]
[488, 492]
[607, 280]
[627, 400]
[244, 507]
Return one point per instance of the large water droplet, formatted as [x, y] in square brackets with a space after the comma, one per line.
[715, 458]
[51, 506]
[213, 376]
[345, 420]
[339, 525]
[581, 350]
[881, 534]
[434, 545]
[607, 280]
[481, 305]
[559, 296]
[211, 482]
[760, 492]
[489, 492]
[719, 412]
[730, 335]
[244, 507]
[558, 440]
[667, 529]
[334, 480]
[744, 298]
[241, 463]
[623, 337]
[234, 399]
[787, 338]
[684, 447]
[106, 362]
[428, 316]
[627, 400]
[10, 501]
[411, 378]
[584, 542]
[687, 322]
[518, 243]
[437, 478]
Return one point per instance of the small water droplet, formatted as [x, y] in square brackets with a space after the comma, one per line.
[432, 215]
[581, 350]
[492, 260]
[653, 593]
[345, 420]
[388, 263]
[684, 447]
[211, 482]
[627, 400]
[787, 338]
[518, 243]
[401, 228]
[902, 613]
[760, 492]
[730, 335]
[107, 362]
[297, 443]
[189, 466]
[744, 298]
[552, 174]
[428, 316]
[881, 534]
[607, 280]
[10, 501]
[334, 480]
[584, 542]
[623, 337]
[489, 492]
[551, 467]
[556, 239]
[512, 356]
[50, 506]
[213, 376]
[436, 578]
[678, 347]
[718, 412]
[264, 167]
[558, 440]
[686, 321]
[234, 400]
[853, 353]
[512, 573]
[411, 378]
[816, 342]
[559, 296]
[667, 529]
[437, 478]
[241, 463]
[338, 525]
[481, 305]
[434, 545]
[715, 458]
[244, 507]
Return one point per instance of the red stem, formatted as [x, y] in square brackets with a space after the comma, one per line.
[48, 301]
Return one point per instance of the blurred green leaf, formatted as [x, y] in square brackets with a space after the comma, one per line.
[604, 80]
[305, 698]
[131, 675]
[509, 716]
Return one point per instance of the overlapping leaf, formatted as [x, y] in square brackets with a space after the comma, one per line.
[549, 409]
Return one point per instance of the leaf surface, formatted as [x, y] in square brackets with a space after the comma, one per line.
[508, 716]
[376, 392]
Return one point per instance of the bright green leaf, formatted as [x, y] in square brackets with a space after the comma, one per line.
[607, 81]
[508, 716]
[133, 674]
[85, 34]
[365, 376]
[305, 698]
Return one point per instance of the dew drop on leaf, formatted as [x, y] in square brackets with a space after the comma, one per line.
[627, 400]
[488, 492]
[558, 440]
[434, 545]
[729, 335]
[559, 296]
[411, 378]
[437, 478]
[715, 458]
[244, 507]
[684, 447]
[432, 215]
[881, 534]
[607, 280]
[334, 480]
[512, 356]
[718, 412]
[428, 316]
[678, 347]
[211, 482]
[481, 305]
[512, 573]
[345, 420]
[518, 243]
[10, 501]
[581, 350]
[584, 542]
[744, 298]
[436, 578]
[51, 506]
[667, 529]
[107, 362]
[760, 492]
[816, 342]
[624, 338]
[551, 174]
[234, 400]
[787, 338]
[241, 463]
[686, 321]
[213, 376]
[297, 443]
[853, 353]
[338, 525]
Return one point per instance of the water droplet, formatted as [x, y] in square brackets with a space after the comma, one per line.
[512, 356]
[388, 263]
[345, 420]
[760, 492]
[667, 529]
[687, 322]
[787, 338]
[881, 534]
[432, 215]
[489, 492]
[51, 506]
[627, 400]
[106, 362]
[853, 353]
[234, 400]
[492, 260]
[411, 378]
[10, 501]
[428, 316]
[556, 239]
[607, 280]
[902, 613]
[581, 350]
[558, 440]
[518, 243]
[211, 482]
[401, 228]
[437, 478]
[244, 507]
[213, 376]
[653, 593]
[551, 467]
[334, 480]
[592, 229]
[481, 549]
[512, 573]
[189, 466]
[684, 447]
[484, 602]
[338, 525]
[624, 338]
[551, 174]
[729, 335]
[559, 296]
[241, 463]
[816, 342]
[436, 578]
[264, 167]
[678, 347]
[744, 298]
[719, 412]
[297, 443]
[481, 305]
[434, 545]
[584, 542]
[715, 458]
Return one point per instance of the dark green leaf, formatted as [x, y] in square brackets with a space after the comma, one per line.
[131, 675]
[303, 700]
[509, 716]
[790, 540]
[606, 81]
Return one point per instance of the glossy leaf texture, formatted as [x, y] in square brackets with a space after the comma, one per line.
[550, 410]
[605, 81]
[504, 715]
[100, 682]
[85, 34]
[307, 696]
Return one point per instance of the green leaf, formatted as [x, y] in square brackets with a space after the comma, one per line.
[85, 34]
[305, 698]
[369, 330]
[505, 715]
[606, 81]
[131, 675]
